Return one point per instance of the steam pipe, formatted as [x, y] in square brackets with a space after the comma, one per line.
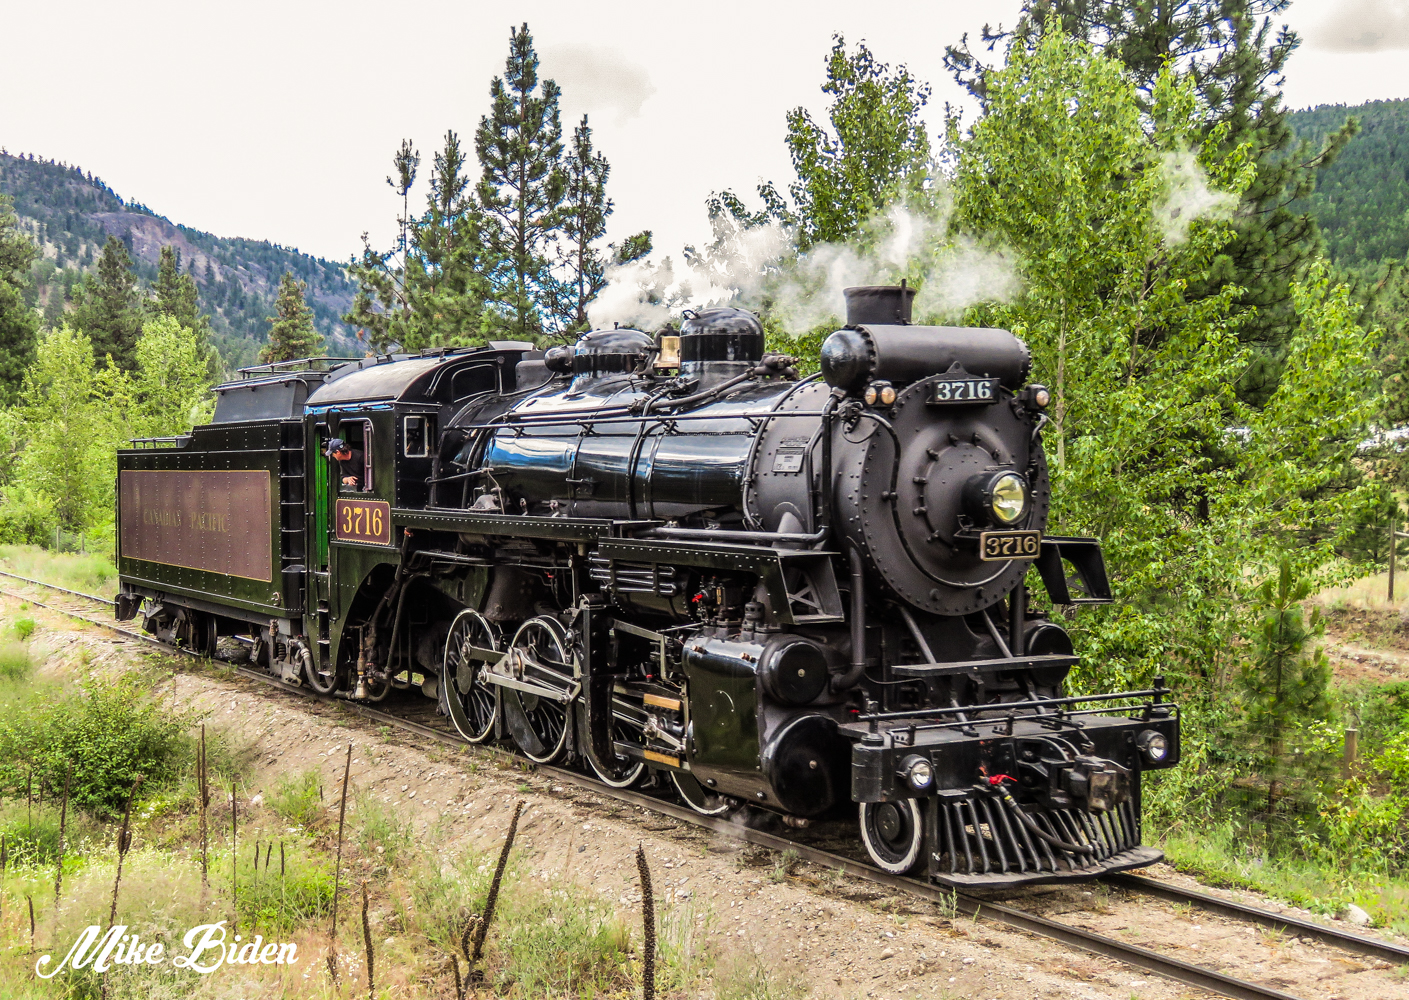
[857, 670]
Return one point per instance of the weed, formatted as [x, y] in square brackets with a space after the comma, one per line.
[784, 866]
[742, 976]
[296, 797]
[380, 832]
[23, 628]
[301, 894]
[14, 662]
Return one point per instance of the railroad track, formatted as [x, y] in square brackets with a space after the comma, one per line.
[1136, 956]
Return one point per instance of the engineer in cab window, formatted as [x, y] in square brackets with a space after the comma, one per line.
[350, 462]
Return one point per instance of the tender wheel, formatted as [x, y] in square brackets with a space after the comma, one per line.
[698, 797]
[894, 834]
[623, 773]
[468, 700]
[540, 724]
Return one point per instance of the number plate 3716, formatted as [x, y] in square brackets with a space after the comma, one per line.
[1001, 546]
[363, 521]
[962, 391]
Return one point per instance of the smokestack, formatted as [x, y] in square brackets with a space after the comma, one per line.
[879, 305]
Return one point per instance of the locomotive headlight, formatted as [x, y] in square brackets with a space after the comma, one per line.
[918, 772]
[1042, 397]
[879, 392]
[1154, 747]
[1008, 498]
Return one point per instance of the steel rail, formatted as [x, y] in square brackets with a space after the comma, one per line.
[1133, 955]
[76, 593]
[1360, 944]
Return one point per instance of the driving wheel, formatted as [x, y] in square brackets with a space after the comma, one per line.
[698, 797]
[538, 722]
[622, 772]
[468, 700]
[893, 833]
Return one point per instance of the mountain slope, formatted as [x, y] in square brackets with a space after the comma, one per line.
[71, 213]
[1362, 200]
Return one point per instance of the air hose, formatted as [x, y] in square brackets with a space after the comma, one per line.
[1027, 821]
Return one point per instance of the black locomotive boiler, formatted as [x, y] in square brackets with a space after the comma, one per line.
[670, 559]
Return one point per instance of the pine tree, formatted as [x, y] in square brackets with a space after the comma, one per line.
[18, 324]
[1235, 60]
[585, 210]
[429, 290]
[291, 333]
[519, 144]
[110, 311]
[175, 293]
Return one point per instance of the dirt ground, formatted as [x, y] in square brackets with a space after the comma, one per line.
[844, 937]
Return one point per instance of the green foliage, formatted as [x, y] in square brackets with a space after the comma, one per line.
[110, 732]
[291, 333]
[872, 152]
[18, 324]
[110, 309]
[1361, 201]
[23, 628]
[1232, 57]
[429, 290]
[383, 834]
[1283, 685]
[585, 210]
[69, 453]
[1114, 213]
[14, 656]
[297, 799]
[281, 901]
[519, 145]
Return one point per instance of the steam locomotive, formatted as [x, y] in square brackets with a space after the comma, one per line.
[669, 559]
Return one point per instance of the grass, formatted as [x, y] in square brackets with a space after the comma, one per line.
[92, 574]
[296, 798]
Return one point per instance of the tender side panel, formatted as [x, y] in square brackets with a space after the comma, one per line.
[199, 523]
[209, 520]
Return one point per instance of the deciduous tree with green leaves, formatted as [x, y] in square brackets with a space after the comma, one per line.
[1232, 56]
[1110, 204]
[873, 150]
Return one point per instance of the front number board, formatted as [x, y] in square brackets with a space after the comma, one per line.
[964, 391]
[363, 521]
[1002, 546]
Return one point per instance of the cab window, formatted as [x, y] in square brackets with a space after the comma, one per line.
[354, 475]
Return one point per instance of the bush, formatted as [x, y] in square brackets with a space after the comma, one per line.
[14, 660]
[27, 517]
[111, 733]
[23, 628]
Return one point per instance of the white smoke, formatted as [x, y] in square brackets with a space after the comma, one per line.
[757, 265]
[1188, 197]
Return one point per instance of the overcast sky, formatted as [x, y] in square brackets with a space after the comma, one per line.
[278, 120]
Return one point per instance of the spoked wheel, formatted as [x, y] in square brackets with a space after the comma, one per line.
[468, 699]
[698, 797]
[540, 724]
[894, 834]
[621, 772]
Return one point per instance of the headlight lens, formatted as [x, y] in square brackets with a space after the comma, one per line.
[919, 773]
[1153, 745]
[1009, 499]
